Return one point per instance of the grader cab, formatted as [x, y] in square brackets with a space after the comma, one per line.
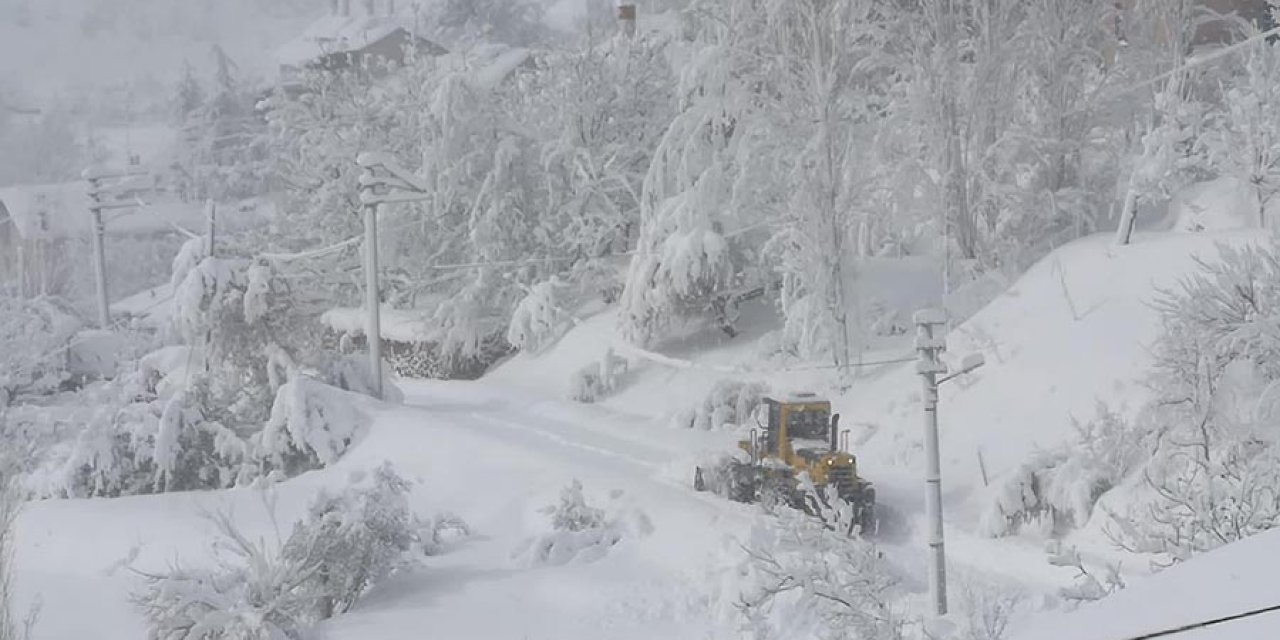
[801, 436]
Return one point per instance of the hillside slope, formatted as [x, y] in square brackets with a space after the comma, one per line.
[1226, 582]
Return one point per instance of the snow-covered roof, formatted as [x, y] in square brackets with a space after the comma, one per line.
[340, 34]
[62, 211]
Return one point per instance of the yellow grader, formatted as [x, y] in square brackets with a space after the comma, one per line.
[802, 436]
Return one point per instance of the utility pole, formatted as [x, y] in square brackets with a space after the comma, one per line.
[99, 248]
[373, 317]
[930, 346]
[931, 342]
[102, 198]
[393, 184]
[211, 216]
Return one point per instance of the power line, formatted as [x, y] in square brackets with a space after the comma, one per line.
[1206, 623]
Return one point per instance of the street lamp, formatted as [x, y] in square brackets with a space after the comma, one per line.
[930, 345]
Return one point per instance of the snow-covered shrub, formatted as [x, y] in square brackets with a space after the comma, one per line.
[442, 530]
[1212, 477]
[597, 380]
[136, 435]
[347, 543]
[252, 593]
[354, 539]
[33, 336]
[1057, 490]
[311, 424]
[581, 532]
[1085, 586]
[984, 609]
[573, 513]
[730, 403]
[537, 317]
[803, 577]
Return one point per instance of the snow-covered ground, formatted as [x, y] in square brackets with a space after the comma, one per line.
[1074, 330]
[492, 457]
[1231, 581]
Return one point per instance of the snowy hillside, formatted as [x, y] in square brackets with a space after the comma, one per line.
[1231, 581]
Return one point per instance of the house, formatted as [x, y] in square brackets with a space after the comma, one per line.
[45, 242]
[341, 40]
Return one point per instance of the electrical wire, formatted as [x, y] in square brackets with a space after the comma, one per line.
[1206, 623]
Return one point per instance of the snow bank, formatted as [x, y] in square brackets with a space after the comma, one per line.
[1234, 579]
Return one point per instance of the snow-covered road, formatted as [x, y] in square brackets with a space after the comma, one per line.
[479, 452]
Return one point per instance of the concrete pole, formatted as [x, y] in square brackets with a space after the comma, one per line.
[211, 216]
[930, 346]
[933, 497]
[99, 253]
[373, 321]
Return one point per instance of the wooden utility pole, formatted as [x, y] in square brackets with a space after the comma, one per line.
[103, 198]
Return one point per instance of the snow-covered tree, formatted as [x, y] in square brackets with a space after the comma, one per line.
[223, 152]
[803, 577]
[1212, 480]
[1244, 136]
[696, 186]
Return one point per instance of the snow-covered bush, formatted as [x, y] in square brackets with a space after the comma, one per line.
[441, 531]
[573, 513]
[311, 425]
[984, 610]
[581, 532]
[33, 337]
[1057, 490]
[803, 577]
[597, 380]
[537, 318]
[348, 542]
[1085, 586]
[1212, 479]
[730, 403]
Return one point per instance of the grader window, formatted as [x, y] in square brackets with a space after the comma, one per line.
[808, 425]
